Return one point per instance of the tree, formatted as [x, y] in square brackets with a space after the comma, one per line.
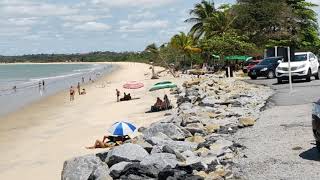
[185, 44]
[201, 12]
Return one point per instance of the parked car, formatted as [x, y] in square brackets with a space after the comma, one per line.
[303, 66]
[249, 65]
[316, 123]
[266, 68]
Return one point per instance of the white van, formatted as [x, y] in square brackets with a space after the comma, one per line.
[303, 66]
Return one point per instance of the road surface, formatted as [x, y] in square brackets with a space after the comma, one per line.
[281, 144]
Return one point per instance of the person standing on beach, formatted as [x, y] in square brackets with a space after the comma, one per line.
[118, 95]
[71, 93]
[78, 87]
[43, 83]
[82, 80]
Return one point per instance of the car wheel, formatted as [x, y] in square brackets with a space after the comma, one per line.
[318, 145]
[270, 75]
[253, 77]
[279, 81]
[317, 76]
[308, 79]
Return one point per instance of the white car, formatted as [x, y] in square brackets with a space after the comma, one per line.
[303, 66]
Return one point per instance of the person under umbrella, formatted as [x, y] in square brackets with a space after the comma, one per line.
[120, 132]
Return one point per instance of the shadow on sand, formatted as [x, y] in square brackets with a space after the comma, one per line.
[312, 154]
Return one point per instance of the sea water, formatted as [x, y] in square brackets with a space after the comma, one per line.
[21, 84]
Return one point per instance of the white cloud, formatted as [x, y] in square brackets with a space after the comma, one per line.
[143, 25]
[93, 26]
[22, 21]
[133, 3]
[142, 15]
[84, 18]
[28, 9]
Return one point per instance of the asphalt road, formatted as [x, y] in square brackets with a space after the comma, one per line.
[281, 145]
[303, 92]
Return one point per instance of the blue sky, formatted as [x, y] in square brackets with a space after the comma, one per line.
[79, 26]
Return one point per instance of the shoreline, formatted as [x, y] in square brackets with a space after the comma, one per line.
[53, 90]
[38, 138]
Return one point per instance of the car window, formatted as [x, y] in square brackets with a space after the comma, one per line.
[268, 61]
[300, 57]
[312, 56]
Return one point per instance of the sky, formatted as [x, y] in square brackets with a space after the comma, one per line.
[81, 26]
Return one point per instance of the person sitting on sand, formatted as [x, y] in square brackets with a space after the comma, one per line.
[109, 141]
[83, 92]
[118, 95]
[157, 106]
[126, 97]
[166, 102]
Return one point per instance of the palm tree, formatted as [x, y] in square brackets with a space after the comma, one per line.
[201, 12]
[185, 44]
[219, 23]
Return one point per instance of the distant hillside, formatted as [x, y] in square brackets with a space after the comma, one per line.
[89, 57]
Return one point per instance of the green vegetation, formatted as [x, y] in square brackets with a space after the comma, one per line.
[244, 28]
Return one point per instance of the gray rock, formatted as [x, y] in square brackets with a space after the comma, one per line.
[210, 101]
[168, 149]
[160, 160]
[81, 168]
[220, 147]
[117, 169]
[171, 130]
[177, 145]
[126, 152]
[147, 146]
[144, 172]
[156, 149]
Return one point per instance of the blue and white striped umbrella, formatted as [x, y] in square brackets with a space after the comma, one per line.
[122, 129]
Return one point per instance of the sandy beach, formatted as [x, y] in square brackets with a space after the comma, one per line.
[36, 140]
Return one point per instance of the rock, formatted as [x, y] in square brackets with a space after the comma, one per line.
[81, 168]
[147, 146]
[126, 152]
[194, 129]
[177, 145]
[195, 162]
[247, 121]
[220, 146]
[141, 129]
[156, 149]
[168, 149]
[160, 160]
[180, 174]
[139, 171]
[202, 152]
[210, 101]
[211, 128]
[169, 129]
[116, 170]
[196, 139]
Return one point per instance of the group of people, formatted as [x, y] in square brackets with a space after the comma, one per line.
[161, 105]
[126, 97]
[72, 91]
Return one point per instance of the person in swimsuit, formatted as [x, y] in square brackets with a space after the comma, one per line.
[71, 93]
[118, 95]
[78, 87]
[109, 141]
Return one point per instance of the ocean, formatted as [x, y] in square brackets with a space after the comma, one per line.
[19, 83]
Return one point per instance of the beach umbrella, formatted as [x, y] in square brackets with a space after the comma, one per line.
[163, 85]
[133, 85]
[122, 129]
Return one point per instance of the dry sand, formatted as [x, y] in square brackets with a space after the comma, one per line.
[35, 141]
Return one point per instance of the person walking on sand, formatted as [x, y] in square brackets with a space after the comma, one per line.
[78, 87]
[118, 95]
[71, 94]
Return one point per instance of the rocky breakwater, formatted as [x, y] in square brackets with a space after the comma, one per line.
[193, 142]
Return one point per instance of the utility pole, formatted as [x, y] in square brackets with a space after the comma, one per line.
[289, 66]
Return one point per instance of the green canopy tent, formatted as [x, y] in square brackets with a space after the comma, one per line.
[237, 57]
[163, 85]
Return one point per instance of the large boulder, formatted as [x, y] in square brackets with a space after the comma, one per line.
[126, 152]
[169, 129]
[210, 101]
[160, 160]
[84, 168]
[116, 170]
[220, 147]
[137, 171]
[177, 145]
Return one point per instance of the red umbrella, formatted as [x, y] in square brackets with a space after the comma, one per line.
[133, 85]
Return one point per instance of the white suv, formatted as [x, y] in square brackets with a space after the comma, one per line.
[303, 66]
